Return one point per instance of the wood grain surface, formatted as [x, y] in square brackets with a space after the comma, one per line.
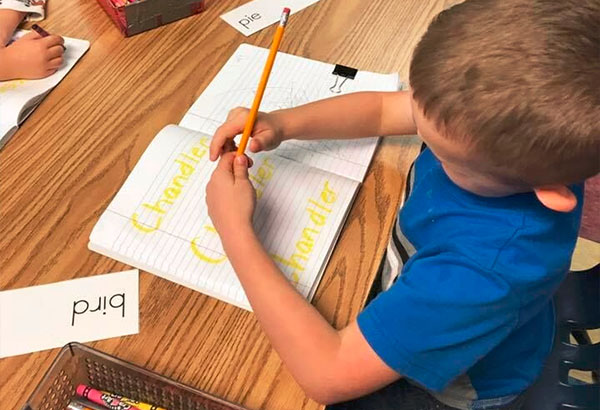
[63, 166]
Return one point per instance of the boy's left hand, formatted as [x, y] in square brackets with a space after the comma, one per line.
[230, 196]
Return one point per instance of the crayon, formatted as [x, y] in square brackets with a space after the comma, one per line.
[43, 33]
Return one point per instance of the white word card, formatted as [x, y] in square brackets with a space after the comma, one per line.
[79, 310]
[258, 14]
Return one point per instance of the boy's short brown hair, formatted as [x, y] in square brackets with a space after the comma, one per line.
[519, 82]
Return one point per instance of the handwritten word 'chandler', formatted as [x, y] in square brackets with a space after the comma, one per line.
[187, 165]
[261, 176]
[318, 212]
[198, 253]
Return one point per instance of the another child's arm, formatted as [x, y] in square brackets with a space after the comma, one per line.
[12, 12]
[9, 20]
[31, 56]
[330, 365]
[357, 115]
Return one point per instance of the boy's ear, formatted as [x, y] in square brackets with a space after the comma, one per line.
[556, 197]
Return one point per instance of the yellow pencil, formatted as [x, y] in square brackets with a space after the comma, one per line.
[263, 81]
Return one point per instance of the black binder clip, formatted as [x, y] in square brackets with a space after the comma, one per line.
[344, 72]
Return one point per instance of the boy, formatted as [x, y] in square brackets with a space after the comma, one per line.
[31, 56]
[505, 95]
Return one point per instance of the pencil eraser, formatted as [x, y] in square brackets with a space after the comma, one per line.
[287, 10]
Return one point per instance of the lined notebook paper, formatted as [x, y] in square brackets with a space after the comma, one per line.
[293, 81]
[158, 220]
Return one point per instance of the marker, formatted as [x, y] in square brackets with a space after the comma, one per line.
[139, 404]
[109, 399]
[263, 81]
[112, 401]
[43, 33]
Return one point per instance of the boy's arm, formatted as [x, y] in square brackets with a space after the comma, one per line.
[330, 365]
[9, 21]
[357, 115]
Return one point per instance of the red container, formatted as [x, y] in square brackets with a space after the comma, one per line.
[142, 15]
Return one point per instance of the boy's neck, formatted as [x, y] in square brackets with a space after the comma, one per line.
[558, 197]
[483, 185]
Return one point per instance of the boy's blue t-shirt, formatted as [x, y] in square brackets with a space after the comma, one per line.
[470, 316]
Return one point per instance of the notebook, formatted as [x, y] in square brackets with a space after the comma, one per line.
[18, 98]
[158, 220]
[293, 81]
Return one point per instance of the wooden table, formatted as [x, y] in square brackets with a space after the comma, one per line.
[61, 169]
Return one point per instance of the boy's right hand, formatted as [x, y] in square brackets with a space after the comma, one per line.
[266, 135]
[33, 56]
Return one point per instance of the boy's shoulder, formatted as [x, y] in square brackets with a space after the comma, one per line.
[492, 233]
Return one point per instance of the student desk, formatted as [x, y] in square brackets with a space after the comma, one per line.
[63, 166]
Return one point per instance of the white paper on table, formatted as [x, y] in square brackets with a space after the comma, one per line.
[48, 316]
[258, 14]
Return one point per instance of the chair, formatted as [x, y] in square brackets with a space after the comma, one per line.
[577, 306]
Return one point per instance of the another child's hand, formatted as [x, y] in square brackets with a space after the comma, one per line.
[266, 133]
[230, 196]
[33, 56]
